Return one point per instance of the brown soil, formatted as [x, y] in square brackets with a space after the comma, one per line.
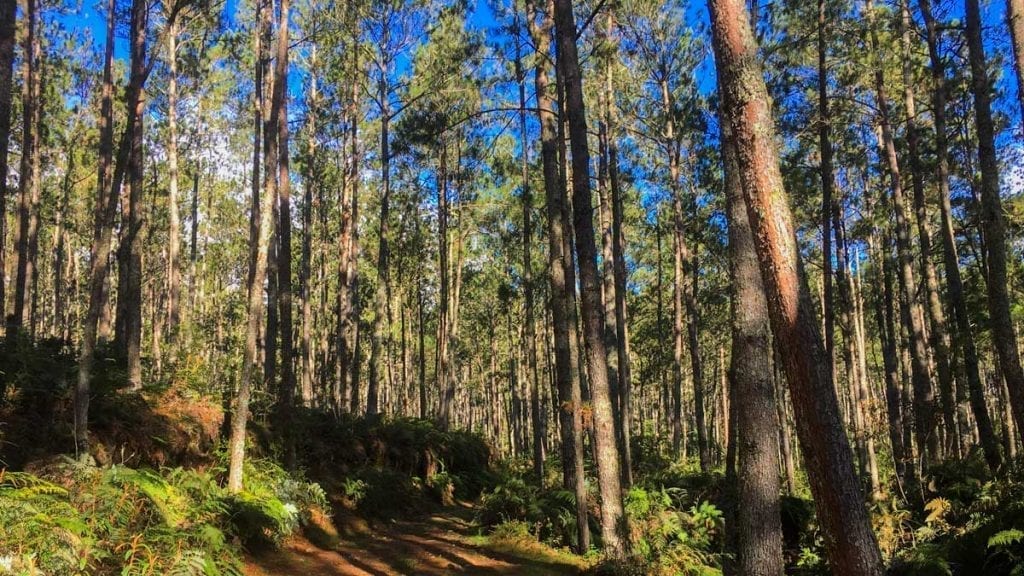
[440, 544]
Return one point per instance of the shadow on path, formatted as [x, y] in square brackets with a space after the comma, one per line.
[437, 545]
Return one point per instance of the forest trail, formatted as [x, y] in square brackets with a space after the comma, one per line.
[439, 544]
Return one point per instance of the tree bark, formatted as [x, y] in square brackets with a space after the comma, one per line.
[561, 279]
[992, 219]
[925, 430]
[527, 234]
[827, 186]
[849, 540]
[938, 338]
[99, 258]
[8, 27]
[28, 182]
[606, 452]
[383, 289]
[1015, 21]
[136, 172]
[174, 225]
[255, 304]
[758, 528]
[951, 261]
[279, 123]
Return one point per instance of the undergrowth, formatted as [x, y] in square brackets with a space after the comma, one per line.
[73, 519]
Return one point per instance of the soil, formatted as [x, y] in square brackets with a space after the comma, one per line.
[445, 542]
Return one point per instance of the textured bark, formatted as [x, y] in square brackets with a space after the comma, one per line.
[174, 219]
[279, 121]
[759, 528]
[827, 177]
[925, 430]
[1015, 20]
[311, 178]
[993, 221]
[8, 10]
[894, 408]
[618, 259]
[257, 277]
[561, 279]
[132, 293]
[28, 181]
[444, 298]
[527, 235]
[99, 257]
[938, 338]
[347, 270]
[606, 452]
[951, 265]
[383, 288]
[849, 541]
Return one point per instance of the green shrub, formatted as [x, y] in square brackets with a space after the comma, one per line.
[116, 520]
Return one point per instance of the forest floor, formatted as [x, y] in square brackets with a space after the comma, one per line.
[445, 542]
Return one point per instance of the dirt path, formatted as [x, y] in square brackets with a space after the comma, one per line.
[440, 544]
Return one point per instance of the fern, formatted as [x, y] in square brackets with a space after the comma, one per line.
[1005, 538]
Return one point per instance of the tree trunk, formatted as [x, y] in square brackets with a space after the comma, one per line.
[527, 202]
[894, 409]
[926, 432]
[849, 540]
[28, 182]
[1015, 20]
[174, 226]
[993, 221]
[8, 27]
[938, 337]
[561, 280]
[827, 186]
[758, 528]
[954, 283]
[305, 293]
[383, 289]
[99, 257]
[136, 209]
[279, 123]
[255, 305]
[444, 289]
[606, 452]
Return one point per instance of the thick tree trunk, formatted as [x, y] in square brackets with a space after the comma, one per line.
[348, 318]
[8, 27]
[279, 122]
[606, 452]
[827, 187]
[311, 179]
[136, 209]
[258, 274]
[849, 540]
[954, 283]
[99, 258]
[383, 288]
[993, 221]
[28, 182]
[174, 225]
[561, 281]
[758, 528]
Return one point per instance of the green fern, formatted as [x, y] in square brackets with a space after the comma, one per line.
[1005, 538]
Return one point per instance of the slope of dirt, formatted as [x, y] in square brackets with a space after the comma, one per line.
[441, 544]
